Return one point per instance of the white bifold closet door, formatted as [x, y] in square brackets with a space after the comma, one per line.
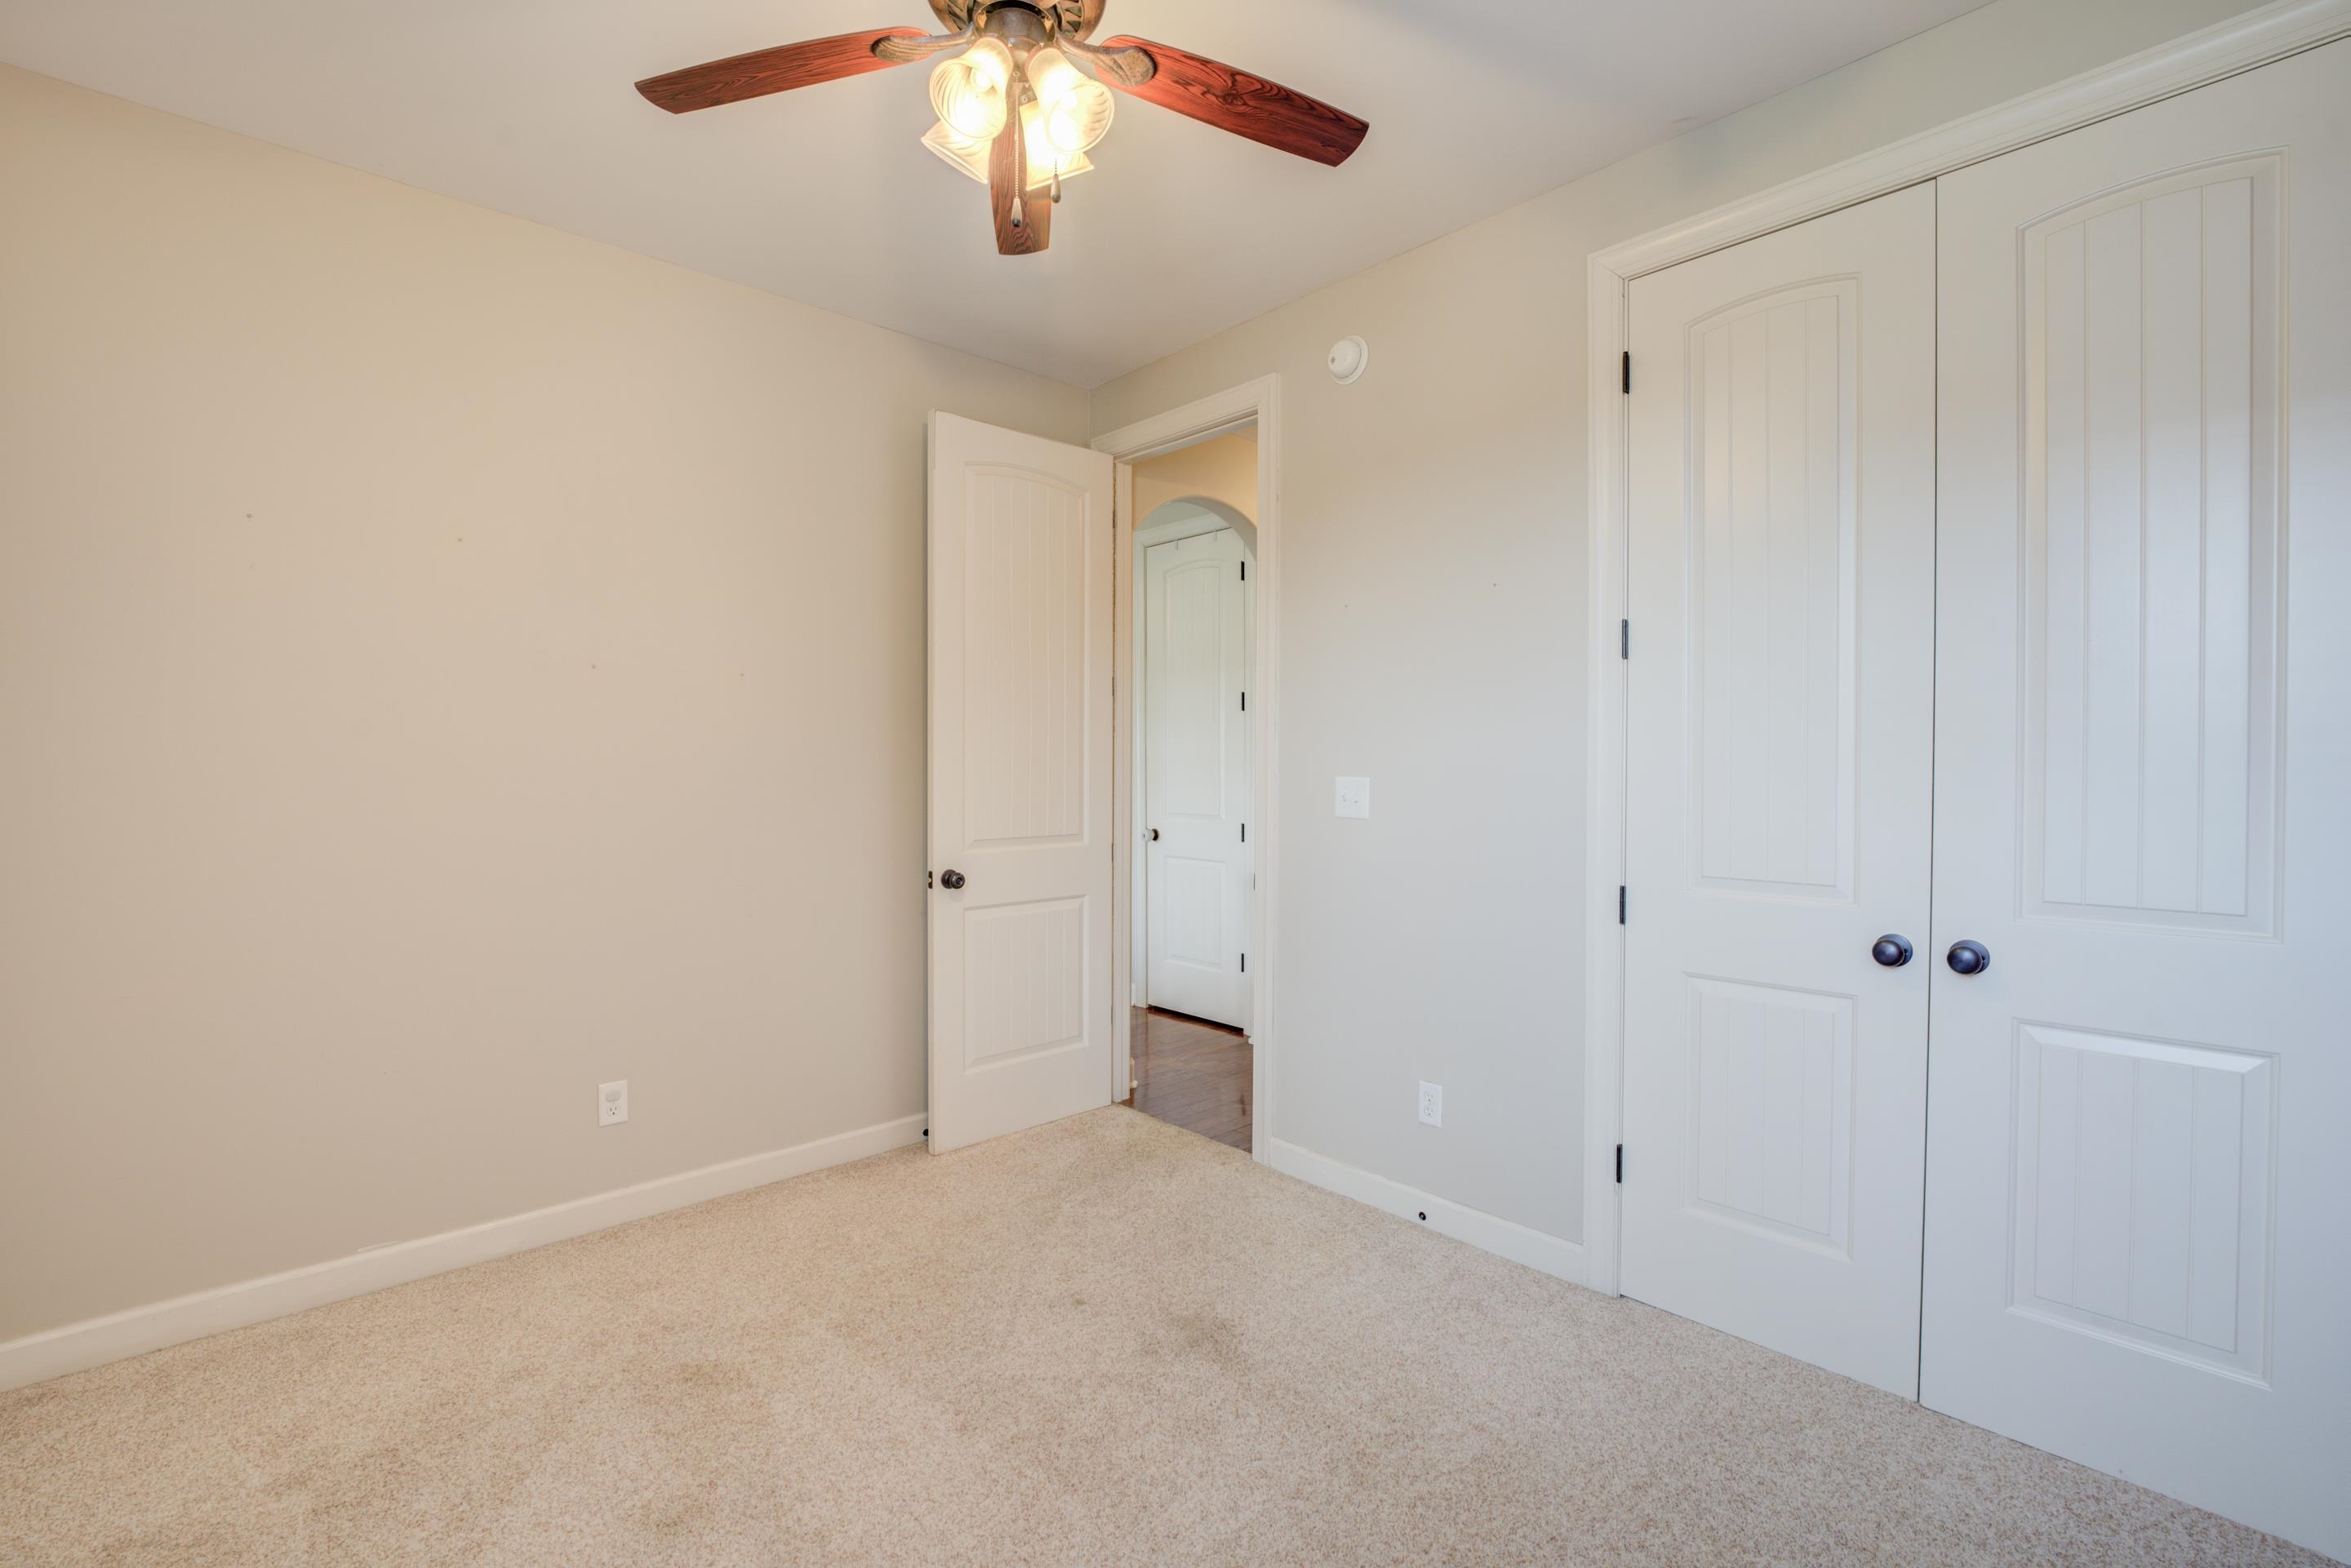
[2139, 1225]
[1778, 749]
[1021, 1003]
[1197, 777]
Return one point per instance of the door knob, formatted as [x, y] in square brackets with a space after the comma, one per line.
[1155, 835]
[1892, 951]
[1968, 958]
[950, 879]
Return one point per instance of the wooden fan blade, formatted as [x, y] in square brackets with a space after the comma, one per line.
[1120, 68]
[1010, 198]
[762, 71]
[1215, 94]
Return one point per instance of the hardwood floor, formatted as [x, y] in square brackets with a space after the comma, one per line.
[1193, 1073]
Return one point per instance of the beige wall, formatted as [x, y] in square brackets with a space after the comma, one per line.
[1433, 628]
[444, 663]
[1222, 470]
[387, 759]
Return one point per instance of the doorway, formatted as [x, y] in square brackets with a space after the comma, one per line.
[1193, 784]
[1033, 750]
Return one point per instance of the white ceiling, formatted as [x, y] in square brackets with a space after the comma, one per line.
[826, 194]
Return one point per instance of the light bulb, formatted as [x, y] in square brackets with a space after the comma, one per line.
[967, 89]
[1078, 120]
[1075, 108]
[991, 61]
[1051, 74]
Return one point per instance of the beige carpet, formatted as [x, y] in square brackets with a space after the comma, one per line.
[1104, 1342]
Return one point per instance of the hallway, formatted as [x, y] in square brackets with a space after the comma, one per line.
[1193, 1074]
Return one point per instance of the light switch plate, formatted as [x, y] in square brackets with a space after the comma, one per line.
[1354, 798]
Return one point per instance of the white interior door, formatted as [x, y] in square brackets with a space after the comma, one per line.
[2138, 1253]
[1780, 745]
[1020, 1002]
[1196, 855]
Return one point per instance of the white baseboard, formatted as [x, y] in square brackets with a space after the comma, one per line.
[1504, 1238]
[96, 1341]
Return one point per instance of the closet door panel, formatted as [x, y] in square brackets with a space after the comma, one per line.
[2138, 1253]
[1779, 749]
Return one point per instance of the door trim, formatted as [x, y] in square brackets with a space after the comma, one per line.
[2239, 44]
[1214, 517]
[1259, 403]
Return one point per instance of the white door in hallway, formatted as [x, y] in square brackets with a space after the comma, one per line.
[2139, 1229]
[1197, 777]
[1020, 1002]
[1780, 746]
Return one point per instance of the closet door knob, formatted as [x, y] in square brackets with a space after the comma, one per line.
[1968, 958]
[951, 879]
[1892, 951]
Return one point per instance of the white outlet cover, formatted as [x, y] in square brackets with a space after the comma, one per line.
[612, 1102]
[1432, 1104]
[1354, 798]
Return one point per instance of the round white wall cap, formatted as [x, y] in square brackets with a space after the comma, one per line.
[1348, 358]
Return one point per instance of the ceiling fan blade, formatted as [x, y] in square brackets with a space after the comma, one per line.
[764, 72]
[1215, 94]
[1024, 218]
[1120, 68]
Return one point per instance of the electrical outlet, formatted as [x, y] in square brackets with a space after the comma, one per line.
[1353, 798]
[612, 1102]
[1432, 1104]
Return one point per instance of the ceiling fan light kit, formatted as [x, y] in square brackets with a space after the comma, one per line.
[1023, 97]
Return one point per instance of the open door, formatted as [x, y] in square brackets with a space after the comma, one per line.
[1020, 1004]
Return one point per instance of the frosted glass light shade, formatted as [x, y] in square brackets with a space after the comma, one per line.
[969, 153]
[1075, 108]
[1043, 155]
[968, 90]
[1051, 74]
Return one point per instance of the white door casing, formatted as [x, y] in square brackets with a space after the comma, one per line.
[1021, 954]
[1779, 748]
[1197, 775]
[2138, 1250]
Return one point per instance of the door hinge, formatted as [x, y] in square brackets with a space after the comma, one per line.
[1620, 1164]
[1245, 702]
[930, 879]
[1623, 638]
[1620, 904]
[1244, 832]
[1244, 571]
[1628, 371]
[1244, 963]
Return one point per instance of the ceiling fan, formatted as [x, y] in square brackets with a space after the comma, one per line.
[1017, 111]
